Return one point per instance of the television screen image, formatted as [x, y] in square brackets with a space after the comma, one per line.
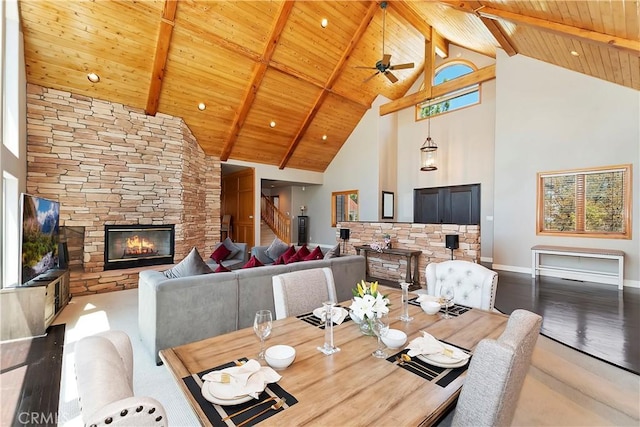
[40, 236]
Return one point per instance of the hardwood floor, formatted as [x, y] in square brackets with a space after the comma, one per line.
[593, 318]
[30, 377]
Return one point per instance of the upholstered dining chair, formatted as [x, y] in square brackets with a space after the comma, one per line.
[474, 284]
[302, 291]
[104, 377]
[496, 374]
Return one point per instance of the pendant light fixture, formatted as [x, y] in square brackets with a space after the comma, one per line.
[429, 150]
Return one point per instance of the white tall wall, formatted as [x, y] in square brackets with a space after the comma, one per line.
[465, 140]
[549, 118]
[13, 149]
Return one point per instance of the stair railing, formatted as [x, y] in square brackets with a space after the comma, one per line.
[275, 219]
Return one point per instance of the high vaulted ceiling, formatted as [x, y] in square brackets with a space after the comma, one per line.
[253, 62]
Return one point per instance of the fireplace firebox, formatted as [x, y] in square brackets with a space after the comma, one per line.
[129, 246]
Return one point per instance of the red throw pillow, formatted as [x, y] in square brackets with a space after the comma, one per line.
[303, 252]
[316, 253]
[253, 262]
[221, 269]
[220, 253]
[282, 259]
[293, 258]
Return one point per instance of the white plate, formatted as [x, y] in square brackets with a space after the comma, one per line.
[227, 391]
[206, 393]
[425, 359]
[443, 361]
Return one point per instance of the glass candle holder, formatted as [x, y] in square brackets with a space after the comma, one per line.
[328, 347]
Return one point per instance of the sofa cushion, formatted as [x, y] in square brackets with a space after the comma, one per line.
[220, 253]
[276, 248]
[253, 262]
[191, 265]
[316, 253]
[333, 252]
[233, 248]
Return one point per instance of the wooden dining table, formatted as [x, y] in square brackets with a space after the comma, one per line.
[350, 387]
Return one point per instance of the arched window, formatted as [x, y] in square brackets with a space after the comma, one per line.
[452, 101]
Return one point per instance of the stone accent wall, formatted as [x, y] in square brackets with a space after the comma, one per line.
[428, 238]
[111, 164]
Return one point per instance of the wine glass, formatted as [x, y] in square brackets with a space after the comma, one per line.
[380, 329]
[446, 295]
[262, 327]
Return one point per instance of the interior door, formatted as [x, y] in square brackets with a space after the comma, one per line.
[238, 201]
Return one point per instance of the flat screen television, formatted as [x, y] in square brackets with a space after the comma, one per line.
[39, 238]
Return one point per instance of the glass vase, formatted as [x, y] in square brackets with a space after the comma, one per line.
[366, 326]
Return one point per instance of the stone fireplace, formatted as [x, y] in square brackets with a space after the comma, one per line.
[108, 163]
[131, 246]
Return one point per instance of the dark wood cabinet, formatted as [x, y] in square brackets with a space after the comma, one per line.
[303, 229]
[458, 204]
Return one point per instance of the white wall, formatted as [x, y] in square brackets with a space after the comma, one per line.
[355, 167]
[13, 124]
[549, 118]
[465, 140]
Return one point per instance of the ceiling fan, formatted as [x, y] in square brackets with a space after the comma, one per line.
[384, 65]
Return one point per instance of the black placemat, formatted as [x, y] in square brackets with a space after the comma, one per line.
[442, 376]
[215, 413]
[311, 319]
[455, 310]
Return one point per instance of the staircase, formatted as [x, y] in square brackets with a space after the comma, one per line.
[276, 221]
[266, 234]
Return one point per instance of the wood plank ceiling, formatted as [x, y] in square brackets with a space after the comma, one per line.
[254, 62]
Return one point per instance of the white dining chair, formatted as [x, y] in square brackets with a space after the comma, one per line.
[496, 374]
[302, 291]
[474, 284]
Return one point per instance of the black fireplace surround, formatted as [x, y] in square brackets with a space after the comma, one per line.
[130, 246]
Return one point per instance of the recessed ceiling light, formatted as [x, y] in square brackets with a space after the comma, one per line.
[574, 53]
[324, 137]
[202, 106]
[93, 77]
[272, 124]
[324, 22]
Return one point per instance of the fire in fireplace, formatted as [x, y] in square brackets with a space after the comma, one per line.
[129, 246]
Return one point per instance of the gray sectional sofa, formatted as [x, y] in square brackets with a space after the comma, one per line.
[173, 312]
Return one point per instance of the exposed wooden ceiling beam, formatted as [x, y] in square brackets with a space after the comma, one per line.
[630, 46]
[409, 15]
[496, 29]
[429, 65]
[337, 70]
[259, 71]
[479, 76]
[162, 51]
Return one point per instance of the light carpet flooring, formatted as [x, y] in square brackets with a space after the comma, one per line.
[563, 387]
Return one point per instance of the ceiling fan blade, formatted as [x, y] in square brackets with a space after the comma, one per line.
[371, 76]
[391, 77]
[402, 66]
[386, 59]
